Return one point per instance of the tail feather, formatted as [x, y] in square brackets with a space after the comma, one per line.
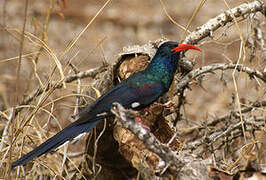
[67, 134]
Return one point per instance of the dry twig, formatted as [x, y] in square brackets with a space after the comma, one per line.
[127, 119]
[213, 24]
[214, 67]
[84, 74]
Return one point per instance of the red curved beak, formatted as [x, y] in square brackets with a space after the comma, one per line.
[182, 47]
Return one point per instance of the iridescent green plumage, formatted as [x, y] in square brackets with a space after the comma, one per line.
[138, 91]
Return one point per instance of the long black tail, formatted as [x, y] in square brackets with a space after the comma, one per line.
[67, 134]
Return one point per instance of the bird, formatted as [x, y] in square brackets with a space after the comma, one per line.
[136, 92]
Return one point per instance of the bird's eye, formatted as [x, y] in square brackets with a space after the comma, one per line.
[170, 46]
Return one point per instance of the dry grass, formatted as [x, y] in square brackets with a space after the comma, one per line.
[64, 37]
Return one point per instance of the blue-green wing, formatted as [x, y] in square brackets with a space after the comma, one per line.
[137, 89]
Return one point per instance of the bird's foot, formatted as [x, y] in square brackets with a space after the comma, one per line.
[145, 111]
[138, 119]
[169, 104]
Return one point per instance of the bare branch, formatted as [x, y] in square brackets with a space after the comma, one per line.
[224, 118]
[236, 113]
[127, 119]
[88, 73]
[224, 18]
[215, 135]
[214, 67]
[183, 165]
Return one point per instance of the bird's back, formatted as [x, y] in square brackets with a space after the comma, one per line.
[136, 92]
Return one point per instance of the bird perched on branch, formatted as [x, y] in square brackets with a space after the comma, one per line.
[137, 92]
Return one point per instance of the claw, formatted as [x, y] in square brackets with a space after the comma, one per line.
[138, 119]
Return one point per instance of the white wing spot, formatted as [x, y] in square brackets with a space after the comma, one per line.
[135, 104]
[56, 149]
[74, 140]
[79, 136]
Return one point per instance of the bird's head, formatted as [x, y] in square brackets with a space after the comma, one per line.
[164, 63]
[167, 57]
[173, 48]
[168, 54]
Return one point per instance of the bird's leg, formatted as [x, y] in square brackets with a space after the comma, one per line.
[145, 111]
[170, 104]
[138, 119]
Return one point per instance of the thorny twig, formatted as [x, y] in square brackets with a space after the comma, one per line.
[236, 113]
[214, 136]
[68, 79]
[221, 20]
[75, 69]
[181, 163]
[127, 119]
[256, 122]
[224, 118]
[214, 67]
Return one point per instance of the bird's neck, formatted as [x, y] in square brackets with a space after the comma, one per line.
[163, 68]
